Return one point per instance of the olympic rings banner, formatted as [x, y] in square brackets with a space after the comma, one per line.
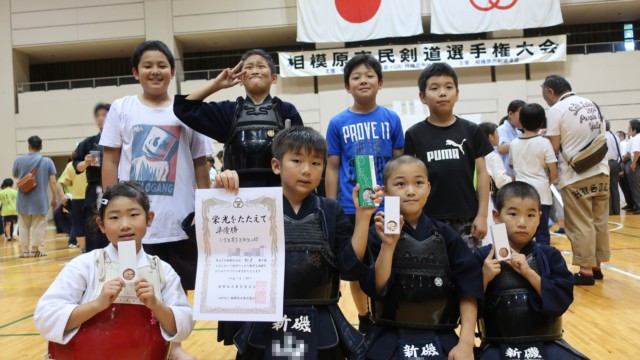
[489, 52]
[474, 16]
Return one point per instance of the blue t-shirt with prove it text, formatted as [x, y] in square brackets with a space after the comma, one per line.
[376, 133]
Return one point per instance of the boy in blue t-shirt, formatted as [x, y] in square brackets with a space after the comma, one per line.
[363, 129]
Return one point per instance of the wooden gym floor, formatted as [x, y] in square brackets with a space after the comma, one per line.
[602, 322]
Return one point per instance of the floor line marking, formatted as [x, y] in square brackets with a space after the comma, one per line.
[614, 268]
[619, 226]
[15, 321]
[48, 252]
[36, 262]
[610, 267]
[627, 235]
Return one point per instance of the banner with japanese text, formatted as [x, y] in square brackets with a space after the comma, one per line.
[476, 16]
[322, 21]
[489, 52]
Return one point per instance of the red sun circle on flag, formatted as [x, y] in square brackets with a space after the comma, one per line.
[358, 11]
[494, 4]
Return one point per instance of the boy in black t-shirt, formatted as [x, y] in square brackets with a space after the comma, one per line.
[451, 148]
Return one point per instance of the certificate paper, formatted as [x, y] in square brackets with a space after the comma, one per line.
[240, 255]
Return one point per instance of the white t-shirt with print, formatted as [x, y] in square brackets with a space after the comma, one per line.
[577, 121]
[530, 157]
[157, 152]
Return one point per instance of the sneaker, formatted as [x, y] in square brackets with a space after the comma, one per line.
[583, 280]
[366, 322]
[597, 274]
[559, 231]
[627, 208]
[72, 246]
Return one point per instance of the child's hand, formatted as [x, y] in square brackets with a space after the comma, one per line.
[144, 292]
[461, 352]
[390, 240]
[110, 292]
[519, 263]
[229, 77]
[229, 180]
[479, 228]
[377, 198]
[89, 160]
[491, 267]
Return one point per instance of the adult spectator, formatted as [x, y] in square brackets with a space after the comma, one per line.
[572, 123]
[220, 156]
[631, 169]
[508, 131]
[614, 157]
[88, 159]
[624, 183]
[32, 207]
[211, 163]
[622, 136]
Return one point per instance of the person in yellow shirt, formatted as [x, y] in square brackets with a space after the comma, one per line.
[8, 196]
[78, 184]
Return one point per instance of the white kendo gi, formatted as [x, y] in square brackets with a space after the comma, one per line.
[81, 281]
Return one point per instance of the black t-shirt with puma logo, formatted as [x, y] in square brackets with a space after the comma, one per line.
[449, 153]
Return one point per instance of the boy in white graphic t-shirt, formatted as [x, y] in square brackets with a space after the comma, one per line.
[145, 142]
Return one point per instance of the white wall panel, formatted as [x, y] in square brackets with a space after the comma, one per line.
[18, 6]
[202, 16]
[78, 33]
[75, 16]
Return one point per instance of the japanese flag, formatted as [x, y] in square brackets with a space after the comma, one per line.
[474, 16]
[356, 20]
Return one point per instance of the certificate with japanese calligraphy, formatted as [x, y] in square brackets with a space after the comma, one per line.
[240, 255]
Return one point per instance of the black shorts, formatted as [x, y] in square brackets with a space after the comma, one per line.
[181, 255]
[10, 218]
[78, 218]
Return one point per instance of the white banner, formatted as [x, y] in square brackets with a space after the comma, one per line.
[475, 16]
[490, 52]
[321, 21]
[240, 273]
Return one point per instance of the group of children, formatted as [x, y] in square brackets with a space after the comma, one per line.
[423, 283]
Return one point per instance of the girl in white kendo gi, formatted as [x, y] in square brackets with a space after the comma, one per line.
[89, 312]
